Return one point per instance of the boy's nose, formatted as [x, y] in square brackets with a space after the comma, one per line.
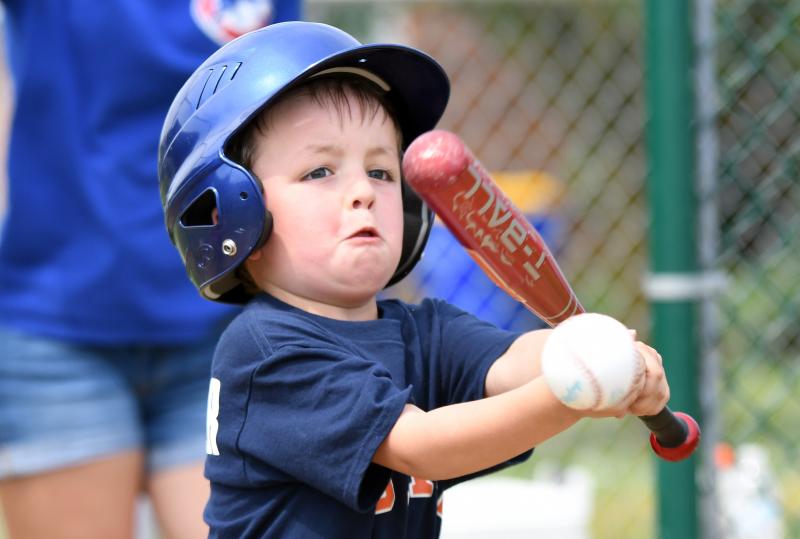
[362, 193]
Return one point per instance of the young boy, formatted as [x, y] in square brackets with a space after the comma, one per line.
[333, 414]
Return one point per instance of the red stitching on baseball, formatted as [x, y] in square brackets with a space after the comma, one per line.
[598, 390]
[637, 375]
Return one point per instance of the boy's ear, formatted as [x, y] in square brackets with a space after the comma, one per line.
[255, 255]
[215, 216]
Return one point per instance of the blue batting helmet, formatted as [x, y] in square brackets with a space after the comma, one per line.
[228, 90]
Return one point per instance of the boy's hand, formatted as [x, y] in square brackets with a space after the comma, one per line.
[655, 391]
[653, 395]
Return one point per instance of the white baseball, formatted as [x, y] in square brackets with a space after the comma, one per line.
[590, 362]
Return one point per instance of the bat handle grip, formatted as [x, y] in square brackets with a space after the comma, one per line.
[673, 435]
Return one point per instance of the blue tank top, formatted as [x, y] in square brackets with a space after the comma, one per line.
[84, 253]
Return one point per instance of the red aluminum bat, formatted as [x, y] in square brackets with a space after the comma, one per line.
[447, 176]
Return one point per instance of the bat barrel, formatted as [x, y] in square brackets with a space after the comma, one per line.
[495, 233]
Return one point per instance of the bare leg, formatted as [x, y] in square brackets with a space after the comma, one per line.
[178, 496]
[90, 501]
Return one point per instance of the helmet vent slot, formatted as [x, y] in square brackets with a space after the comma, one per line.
[218, 77]
[201, 211]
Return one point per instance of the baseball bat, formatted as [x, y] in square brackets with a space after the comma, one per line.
[450, 179]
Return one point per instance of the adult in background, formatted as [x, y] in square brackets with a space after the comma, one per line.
[105, 345]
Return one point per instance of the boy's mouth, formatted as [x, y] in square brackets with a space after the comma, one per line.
[366, 232]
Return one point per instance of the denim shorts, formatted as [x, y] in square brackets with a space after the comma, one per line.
[63, 404]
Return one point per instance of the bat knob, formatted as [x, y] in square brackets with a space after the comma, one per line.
[685, 448]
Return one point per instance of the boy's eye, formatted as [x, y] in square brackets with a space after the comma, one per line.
[380, 174]
[318, 173]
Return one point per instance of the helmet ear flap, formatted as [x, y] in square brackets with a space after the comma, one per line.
[213, 248]
[417, 222]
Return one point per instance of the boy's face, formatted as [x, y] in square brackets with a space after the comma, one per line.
[332, 183]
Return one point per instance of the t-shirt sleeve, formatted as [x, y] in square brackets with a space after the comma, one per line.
[468, 348]
[318, 415]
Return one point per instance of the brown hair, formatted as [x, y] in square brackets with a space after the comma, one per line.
[327, 90]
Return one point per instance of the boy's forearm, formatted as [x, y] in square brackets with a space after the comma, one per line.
[468, 437]
[520, 364]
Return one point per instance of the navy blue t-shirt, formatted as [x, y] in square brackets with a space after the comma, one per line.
[299, 404]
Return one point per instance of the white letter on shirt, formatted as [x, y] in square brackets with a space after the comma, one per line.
[212, 426]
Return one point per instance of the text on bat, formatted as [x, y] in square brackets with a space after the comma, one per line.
[499, 213]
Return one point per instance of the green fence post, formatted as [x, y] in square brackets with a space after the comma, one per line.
[673, 259]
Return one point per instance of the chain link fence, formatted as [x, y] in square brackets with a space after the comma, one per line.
[757, 196]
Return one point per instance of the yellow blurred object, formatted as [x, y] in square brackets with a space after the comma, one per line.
[532, 191]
